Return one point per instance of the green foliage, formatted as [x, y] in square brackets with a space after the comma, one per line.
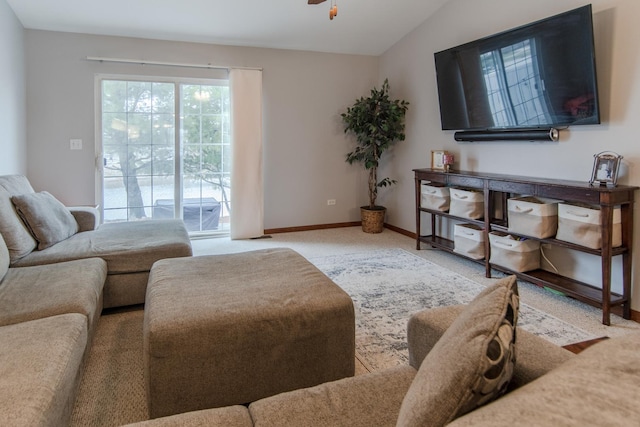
[377, 123]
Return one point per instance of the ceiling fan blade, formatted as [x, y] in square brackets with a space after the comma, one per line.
[315, 1]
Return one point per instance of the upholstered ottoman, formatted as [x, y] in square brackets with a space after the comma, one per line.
[231, 329]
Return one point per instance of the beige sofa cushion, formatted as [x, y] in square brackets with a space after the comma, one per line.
[4, 258]
[30, 293]
[597, 387]
[48, 220]
[361, 401]
[229, 416]
[40, 365]
[471, 364]
[16, 235]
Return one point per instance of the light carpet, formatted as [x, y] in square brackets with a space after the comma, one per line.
[389, 285]
[111, 391]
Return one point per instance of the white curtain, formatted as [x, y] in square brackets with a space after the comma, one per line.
[247, 193]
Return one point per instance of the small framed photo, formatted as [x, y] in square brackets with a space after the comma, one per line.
[437, 159]
[606, 166]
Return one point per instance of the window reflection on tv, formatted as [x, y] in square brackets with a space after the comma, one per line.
[537, 76]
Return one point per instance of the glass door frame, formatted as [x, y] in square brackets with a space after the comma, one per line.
[178, 163]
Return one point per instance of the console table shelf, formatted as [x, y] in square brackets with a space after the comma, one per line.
[501, 187]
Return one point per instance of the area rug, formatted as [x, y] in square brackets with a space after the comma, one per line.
[389, 285]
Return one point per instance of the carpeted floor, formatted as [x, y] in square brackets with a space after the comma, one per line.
[112, 388]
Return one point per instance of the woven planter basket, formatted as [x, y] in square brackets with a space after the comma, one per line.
[372, 219]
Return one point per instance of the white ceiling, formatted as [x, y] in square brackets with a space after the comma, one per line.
[367, 27]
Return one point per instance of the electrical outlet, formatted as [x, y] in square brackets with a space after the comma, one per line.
[331, 202]
[75, 144]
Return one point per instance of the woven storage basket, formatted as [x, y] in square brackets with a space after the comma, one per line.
[466, 203]
[435, 197]
[372, 219]
[468, 240]
[516, 255]
[581, 224]
[533, 216]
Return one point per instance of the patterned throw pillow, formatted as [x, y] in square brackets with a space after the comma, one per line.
[47, 218]
[471, 364]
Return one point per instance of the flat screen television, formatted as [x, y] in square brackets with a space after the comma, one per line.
[540, 75]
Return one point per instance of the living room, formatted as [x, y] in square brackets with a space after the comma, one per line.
[48, 99]
[48, 78]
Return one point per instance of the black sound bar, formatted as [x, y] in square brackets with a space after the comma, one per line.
[550, 134]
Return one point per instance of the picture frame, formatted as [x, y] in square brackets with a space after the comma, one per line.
[606, 166]
[437, 159]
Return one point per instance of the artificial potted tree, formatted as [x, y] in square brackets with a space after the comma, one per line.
[377, 123]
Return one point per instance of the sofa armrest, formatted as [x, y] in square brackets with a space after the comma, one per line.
[425, 328]
[87, 217]
[535, 356]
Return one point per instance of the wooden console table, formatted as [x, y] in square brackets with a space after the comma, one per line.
[498, 188]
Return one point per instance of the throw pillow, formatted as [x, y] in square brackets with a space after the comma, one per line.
[15, 233]
[471, 364]
[48, 220]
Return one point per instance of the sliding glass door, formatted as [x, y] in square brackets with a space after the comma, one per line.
[206, 153]
[150, 171]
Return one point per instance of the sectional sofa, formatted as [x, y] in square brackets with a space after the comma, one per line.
[58, 269]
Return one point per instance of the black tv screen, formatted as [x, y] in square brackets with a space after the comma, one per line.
[536, 76]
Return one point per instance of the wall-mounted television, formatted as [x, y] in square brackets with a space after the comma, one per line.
[541, 75]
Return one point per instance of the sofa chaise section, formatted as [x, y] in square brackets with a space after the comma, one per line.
[129, 248]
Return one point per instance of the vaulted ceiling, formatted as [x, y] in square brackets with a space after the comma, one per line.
[367, 27]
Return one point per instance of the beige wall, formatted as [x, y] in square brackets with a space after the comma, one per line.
[410, 68]
[12, 93]
[304, 94]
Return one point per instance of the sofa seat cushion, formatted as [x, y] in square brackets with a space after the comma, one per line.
[30, 293]
[362, 401]
[229, 416]
[40, 365]
[48, 220]
[16, 234]
[128, 247]
[597, 387]
[471, 364]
